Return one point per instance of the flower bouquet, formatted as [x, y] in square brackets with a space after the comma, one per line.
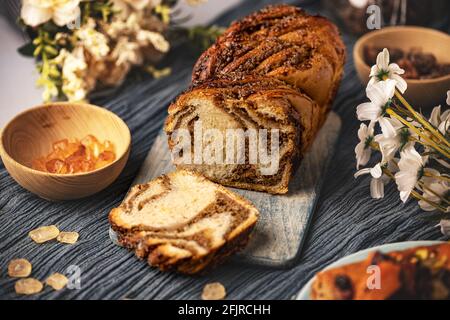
[415, 151]
[81, 45]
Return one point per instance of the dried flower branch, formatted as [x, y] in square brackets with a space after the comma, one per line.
[80, 45]
[415, 151]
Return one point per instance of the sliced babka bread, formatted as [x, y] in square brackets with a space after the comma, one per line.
[245, 133]
[182, 221]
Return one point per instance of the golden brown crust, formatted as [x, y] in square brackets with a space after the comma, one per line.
[282, 42]
[278, 55]
[176, 248]
[417, 273]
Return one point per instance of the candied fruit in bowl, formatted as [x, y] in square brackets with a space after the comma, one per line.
[68, 157]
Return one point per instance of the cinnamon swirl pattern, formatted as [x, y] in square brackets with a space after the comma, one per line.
[277, 69]
[183, 222]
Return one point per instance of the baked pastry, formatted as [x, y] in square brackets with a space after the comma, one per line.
[182, 221]
[417, 273]
[283, 42]
[277, 69]
[253, 104]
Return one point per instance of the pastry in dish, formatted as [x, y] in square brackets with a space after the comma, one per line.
[182, 221]
[417, 273]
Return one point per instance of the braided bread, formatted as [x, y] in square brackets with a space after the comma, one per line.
[275, 70]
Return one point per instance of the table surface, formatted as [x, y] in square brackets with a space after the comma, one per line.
[346, 218]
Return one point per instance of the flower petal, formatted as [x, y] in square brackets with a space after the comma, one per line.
[377, 188]
[445, 227]
[387, 128]
[33, 15]
[376, 171]
[394, 68]
[388, 87]
[362, 154]
[368, 111]
[400, 83]
[383, 59]
[404, 195]
[362, 172]
[374, 71]
[63, 16]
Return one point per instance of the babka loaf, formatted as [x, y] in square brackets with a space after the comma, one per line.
[279, 41]
[182, 221]
[276, 70]
[242, 109]
[418, 273]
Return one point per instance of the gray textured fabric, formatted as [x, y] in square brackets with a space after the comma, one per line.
[346, 219]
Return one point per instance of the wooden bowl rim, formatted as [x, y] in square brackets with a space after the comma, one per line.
[5, 154]
[357, 57]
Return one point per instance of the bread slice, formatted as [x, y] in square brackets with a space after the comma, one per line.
[416, 273]
[253, 104]
[182, 221]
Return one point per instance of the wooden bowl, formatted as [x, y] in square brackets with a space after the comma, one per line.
[32, 133]
[420, 93]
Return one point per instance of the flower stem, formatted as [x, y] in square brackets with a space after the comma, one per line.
[444, 178]
[431, 143]
[415, 194]
[424, 187]
[421, 120]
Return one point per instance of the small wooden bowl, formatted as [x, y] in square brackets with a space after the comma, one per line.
[421, 93]
[32, 133]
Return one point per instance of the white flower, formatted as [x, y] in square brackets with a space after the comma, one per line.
[379, 94]
[127, 52]
[94, 42]
[445, 227]
[73, 72]
[448, 97]
[410, 170]
[440, 121]
[362, 149]
[154, 38]
[125, 6]
[433, 191]
[394, 136]
[378, 180]
[391, 71]
[62, 12]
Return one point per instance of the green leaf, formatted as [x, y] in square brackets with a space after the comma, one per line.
[27, 49]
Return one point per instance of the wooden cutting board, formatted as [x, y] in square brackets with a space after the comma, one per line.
[281, 230]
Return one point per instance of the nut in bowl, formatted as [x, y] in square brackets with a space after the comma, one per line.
[32, 134]
[425, 91]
